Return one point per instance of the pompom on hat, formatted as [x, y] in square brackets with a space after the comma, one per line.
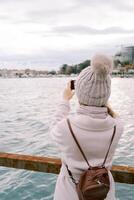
[93, 85]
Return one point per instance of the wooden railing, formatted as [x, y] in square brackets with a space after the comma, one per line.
[122, 174]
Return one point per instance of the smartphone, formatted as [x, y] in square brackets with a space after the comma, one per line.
[72, 84]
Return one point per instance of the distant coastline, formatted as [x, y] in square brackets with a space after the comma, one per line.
[64, 71]
[42, 74]
[121, 68]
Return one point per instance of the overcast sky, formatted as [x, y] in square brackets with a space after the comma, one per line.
[44, 34]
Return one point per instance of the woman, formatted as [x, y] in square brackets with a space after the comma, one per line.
[92, 125]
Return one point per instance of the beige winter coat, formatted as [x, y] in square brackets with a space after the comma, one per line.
[93, 128]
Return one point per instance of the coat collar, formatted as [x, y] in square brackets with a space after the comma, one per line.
[93, 111]
[92, 118]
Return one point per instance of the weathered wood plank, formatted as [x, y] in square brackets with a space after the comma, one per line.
[122, 174]
[28, 162]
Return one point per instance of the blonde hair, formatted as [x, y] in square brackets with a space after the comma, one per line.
[110, 111]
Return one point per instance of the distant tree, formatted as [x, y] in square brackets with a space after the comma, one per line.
[63, 69]
[27, 71]
[69, 70]
[73, 69]
[53, 72]
[84, 65]
[125, 62]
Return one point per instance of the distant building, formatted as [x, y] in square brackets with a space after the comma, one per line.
[23, 73]
[125, 55]
[128, 54]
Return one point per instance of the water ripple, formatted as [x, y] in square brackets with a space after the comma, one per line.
[26, 110]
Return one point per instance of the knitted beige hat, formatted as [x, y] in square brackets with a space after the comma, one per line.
[93, 85]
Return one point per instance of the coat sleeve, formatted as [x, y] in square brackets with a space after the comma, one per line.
[56, 130]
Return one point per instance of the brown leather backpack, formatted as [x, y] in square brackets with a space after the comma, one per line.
[94, 183]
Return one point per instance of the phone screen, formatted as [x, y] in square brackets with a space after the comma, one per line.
[72, 84]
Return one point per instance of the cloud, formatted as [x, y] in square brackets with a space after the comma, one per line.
[52, 59]
[88, 30]
[4, 17]
[51, 13]
[54, 32]
[67, 31]
[33, 11]
[56, 12]
[119, 5]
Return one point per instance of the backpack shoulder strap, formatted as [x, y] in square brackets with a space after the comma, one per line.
[109, 146]
[70, 128]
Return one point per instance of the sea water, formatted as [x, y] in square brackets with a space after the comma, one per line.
[27, 107]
